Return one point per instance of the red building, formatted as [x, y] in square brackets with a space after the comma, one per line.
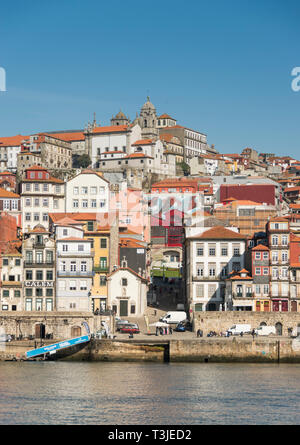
[263, 193]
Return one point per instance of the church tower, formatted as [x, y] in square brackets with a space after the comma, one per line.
[148, 121]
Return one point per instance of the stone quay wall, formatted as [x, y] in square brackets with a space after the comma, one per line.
[62, 325]
[221, 321]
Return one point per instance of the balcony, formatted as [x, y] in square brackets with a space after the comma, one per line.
[35, 264]
[10, 284]
[78, 273]
[245, 296]
[100, 268]
[38, 245]
[205, 278]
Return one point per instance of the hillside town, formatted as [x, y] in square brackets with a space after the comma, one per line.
[145, 213]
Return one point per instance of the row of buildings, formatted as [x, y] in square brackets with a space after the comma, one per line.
[106, 237]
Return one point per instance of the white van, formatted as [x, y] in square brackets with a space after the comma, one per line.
[265, 330]
[174, 317]
[238, 329]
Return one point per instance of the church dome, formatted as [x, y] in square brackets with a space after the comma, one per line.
[120, 115]
[148, 105]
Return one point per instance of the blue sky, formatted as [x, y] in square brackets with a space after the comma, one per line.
[220, 67]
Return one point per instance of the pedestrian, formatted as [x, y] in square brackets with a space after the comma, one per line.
[171, 330]
[156, 332]
[253, 333]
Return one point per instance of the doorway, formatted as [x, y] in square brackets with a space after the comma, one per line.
[75, 331]
[40, 330]
[278, 327]
[123, 308]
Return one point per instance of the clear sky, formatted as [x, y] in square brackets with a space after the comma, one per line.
[220, 67]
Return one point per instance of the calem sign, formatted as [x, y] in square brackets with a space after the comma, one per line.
[2, 79]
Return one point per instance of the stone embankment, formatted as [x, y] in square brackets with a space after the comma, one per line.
[233, 349]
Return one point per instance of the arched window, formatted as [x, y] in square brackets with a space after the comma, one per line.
[145, 123]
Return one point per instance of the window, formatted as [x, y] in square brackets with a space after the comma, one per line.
[103, 262]
[36, 216]
[90, 226]
[284, 256]
[257, 271]
[84, 203]
[103, 243]
[5, 261]
[200, 249]
[57, 189]
[27, 216]
[49, 275]
[49, 304]
[102, 280]
[5, 294]
[83, 285]
[266, 289]
[72, 285]
[284, 240]
[265, 256]
[28, 275]
[27, 202]
[257, 289]
[80, 248]
[224, 251]
[45, 202]
[211, 251]
[17, 294]
[83, 266]
[28, 304]
[75, 203]
[45, 217]
[65, 247]
[73, 266]
[17, 262]
[49, 292]
[265, 271]
[212, 271]
[132, 309]
[55, 203]
[275, 240]
[102, 203]
[39, 275]
[200, 270]
[94, 203]
[124, 282]
[84, 190]
[257, 255]
[39, 304]
[93, 190]
[45, 187]
[75, 190]
[39, 292]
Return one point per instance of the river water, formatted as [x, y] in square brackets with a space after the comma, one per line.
[82, 393]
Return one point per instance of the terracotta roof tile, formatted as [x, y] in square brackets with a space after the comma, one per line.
[219, 232]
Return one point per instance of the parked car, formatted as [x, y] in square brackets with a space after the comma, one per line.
[120, 324]
[5, 338]
[130, 328]
[173, 317]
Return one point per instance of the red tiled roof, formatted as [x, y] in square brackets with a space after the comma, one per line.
[6, 194]
[260, 247]
[219, 232]
[165, 116]
[68, 137]
[111, 129]
[12, 141]
[143, 142]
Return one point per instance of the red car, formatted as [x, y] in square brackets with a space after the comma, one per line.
[130, 329]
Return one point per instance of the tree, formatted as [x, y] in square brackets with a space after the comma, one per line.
[81, 161]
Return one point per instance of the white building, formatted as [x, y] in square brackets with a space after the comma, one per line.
[74, 265]
[87, 192]
[127, 293]
[210, 258]
[9, 149]
[41, 194]
[114, 138]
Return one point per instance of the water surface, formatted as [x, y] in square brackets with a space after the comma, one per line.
[82, 393]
